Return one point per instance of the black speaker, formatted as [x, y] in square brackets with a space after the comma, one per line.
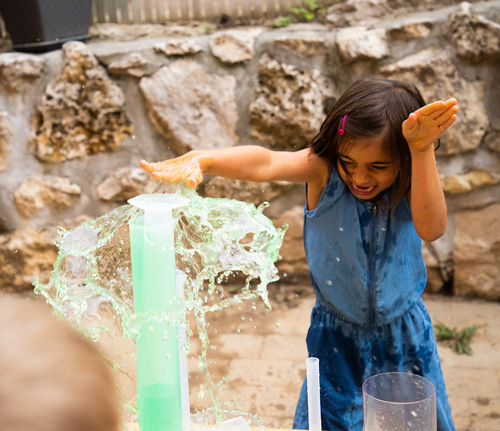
[44, 25]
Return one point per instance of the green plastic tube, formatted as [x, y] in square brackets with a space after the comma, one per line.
[159, 397]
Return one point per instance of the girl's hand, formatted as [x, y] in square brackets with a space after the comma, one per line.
[188, 168]
[424, 126]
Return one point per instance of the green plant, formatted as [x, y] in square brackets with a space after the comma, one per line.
[282, 21]
[308, 11]
[460, 340]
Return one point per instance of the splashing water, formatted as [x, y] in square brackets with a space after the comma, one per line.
[216, 240]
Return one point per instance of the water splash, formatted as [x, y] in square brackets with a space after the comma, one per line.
[216, 240]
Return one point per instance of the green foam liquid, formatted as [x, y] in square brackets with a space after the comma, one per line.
[216, 241]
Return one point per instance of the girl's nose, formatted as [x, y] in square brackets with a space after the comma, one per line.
[360, 176]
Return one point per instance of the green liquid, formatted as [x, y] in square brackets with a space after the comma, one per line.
[155, 406]
[158, 378]
[215, 240]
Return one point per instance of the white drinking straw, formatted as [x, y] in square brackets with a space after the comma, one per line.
[313, 402]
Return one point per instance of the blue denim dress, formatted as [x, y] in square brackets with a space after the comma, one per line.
[368, 274]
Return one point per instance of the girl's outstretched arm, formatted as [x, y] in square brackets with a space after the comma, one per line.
[247, 162]
[422, 128]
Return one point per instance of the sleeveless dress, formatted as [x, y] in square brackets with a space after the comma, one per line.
[368, 274]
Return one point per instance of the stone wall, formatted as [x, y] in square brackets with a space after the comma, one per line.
[75, 122]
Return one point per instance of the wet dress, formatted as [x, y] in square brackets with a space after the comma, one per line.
[368, 274]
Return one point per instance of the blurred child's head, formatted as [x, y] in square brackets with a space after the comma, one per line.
[51, 378]
[371, 107]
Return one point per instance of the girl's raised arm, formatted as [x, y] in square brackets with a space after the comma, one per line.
[247, 162]
[422, 128]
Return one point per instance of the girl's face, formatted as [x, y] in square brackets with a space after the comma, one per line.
[369, 169]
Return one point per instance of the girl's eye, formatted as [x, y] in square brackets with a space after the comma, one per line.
[379, 168]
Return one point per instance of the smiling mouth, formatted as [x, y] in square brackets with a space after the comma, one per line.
[363, 190]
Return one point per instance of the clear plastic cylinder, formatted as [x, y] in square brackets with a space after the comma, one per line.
[313, 394]
[399, 402]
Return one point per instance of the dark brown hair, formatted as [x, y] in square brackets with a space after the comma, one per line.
[373, 106]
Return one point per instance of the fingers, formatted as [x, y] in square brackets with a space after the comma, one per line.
[166, 176]
[448, 122]
[176, 174]
[435, 109]
[193, 180]
[438, 114]
[146, 166]
[411, 121]
[444, 116]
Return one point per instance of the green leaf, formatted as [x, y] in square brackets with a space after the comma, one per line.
[443, 332]
[461, 339]
[282, 21]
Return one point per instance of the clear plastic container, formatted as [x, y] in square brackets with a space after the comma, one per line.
[399, 402]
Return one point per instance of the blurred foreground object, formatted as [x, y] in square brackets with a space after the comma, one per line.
[51, 378]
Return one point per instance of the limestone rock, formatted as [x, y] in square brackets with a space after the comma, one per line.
[434, 278]
[411, 29]
[293, 265]
[5, 134]
[82, 111]
[362, 43]
[434, 73]
[357, 12]
[178, 47]
[492, 140]
[24, 255]
[462, 183]
[477, 252]
[113, 31]
[234, 46]
[37, 193]
[255, 193]
[474, 37]
[193, 109]
[288, 105]
[18, 71]
[123, 185]
[308, 46]
[133, 64]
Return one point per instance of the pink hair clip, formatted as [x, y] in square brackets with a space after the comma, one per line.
[342, 124]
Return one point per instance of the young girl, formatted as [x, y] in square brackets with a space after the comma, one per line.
[372, 194]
